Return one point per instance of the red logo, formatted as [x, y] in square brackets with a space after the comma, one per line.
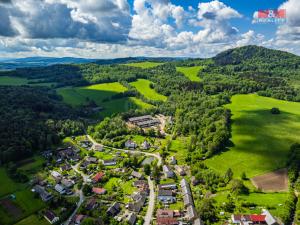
[269, 13]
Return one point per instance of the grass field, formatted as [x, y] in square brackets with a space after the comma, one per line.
[261, 140]
[10, 186]
[33, 220]
[143, 86]
[17, 81]
[76, 96]
[191, 72]
[144, 65]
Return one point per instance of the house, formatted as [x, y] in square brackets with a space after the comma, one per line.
[173, 160]
[195, 181]
[45, 196]
[249, 219]
[55, 174]
[169, 186]
[186, 193]
[137, 175]
[114, 209]
[130, 144]
[65, 167]
[111, 162]
[98, 147]
[60, 189]
[78, 219]
[166, 196]
[168, 172]
[51, 217]
[98, 177]
[67, 183]
[91, 204]
[166, 217]
[270, 220]
[180, 170]
[191, 212]
[198, 221]
[132, 219]
[99, 191]
[139, 203]
[140, 183]
[145, 145]
[93, 160]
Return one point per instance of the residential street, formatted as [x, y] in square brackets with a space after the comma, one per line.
[151, 204]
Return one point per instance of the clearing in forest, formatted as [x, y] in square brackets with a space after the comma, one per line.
[191, 72]
[143, 86]
[261, 140]
[144, 65]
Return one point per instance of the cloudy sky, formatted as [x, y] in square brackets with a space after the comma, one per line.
[121, 28]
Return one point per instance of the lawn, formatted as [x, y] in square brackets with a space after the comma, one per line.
[261, 140]
[178, 148]
[76, 96]
[33, 220]
[8, 186]
[144, 65]
[143, 86]
[191, 72]
[33, 167]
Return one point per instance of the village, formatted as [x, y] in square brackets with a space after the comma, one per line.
[130, 185]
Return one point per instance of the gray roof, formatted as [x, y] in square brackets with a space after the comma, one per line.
[132, 219]
[188, 200]
[186, 190]
[183, 183]
[139, 118]
[162, 192]
[198, 221]
[269, 218]
[191, 212]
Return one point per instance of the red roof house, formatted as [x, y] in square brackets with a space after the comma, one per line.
[98, 177]
[99, 191]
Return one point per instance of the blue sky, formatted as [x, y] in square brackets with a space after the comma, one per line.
[121, 28]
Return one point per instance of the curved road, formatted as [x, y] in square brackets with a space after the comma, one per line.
[151, 205]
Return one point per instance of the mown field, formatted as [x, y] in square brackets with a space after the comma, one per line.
[144, 65]
[261, 140]
[101, 94]
[143, 86]
[191, 72]
[17, 81]
[33, 220]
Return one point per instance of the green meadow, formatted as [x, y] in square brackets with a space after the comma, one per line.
[33, 220]
[143, 86]
[261, 140]
[101, 94]
[144, 65]
[76, 96]
[190, 72]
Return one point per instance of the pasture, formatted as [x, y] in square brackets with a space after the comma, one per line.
[10, 186]
[143, 86]
[77, 96]
[191, 72]
[261, 140]
[144, 65]
[33, 220]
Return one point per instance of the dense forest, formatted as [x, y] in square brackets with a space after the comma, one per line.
[40, 117]
[32, 119]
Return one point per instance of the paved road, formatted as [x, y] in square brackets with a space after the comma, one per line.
[157, 156]
[78, 193]
[151, 204]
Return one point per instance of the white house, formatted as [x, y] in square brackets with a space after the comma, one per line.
[130, 144]
[168, 172]
[51, 217]
[166, 196]
[60, 189]
[55, 174]
[145, 145]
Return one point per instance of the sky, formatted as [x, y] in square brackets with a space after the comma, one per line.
[154, 28]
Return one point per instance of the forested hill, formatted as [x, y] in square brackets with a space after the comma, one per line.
[258, 59]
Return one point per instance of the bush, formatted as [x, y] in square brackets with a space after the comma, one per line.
[275, 111]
